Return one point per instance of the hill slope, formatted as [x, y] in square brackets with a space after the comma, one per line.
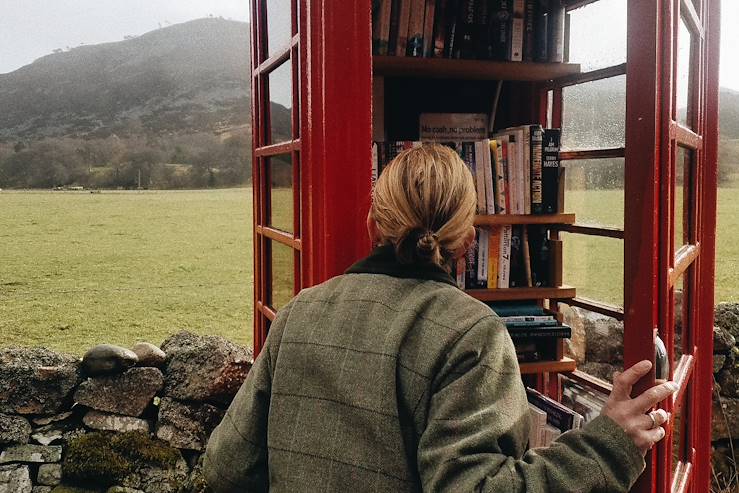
[188, 77]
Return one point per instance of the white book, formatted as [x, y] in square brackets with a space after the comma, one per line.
[520, 164]
[514, 177]
[538, 419]
[480, 178]
[504, 259]
[526, 149]
[488, 169]
[503, 142]
[551, 434]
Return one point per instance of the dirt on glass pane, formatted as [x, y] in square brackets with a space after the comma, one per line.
[598, 34]
[283, 274]
[594, 114]
[281, 192]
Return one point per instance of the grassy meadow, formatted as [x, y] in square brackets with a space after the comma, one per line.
[78, 269]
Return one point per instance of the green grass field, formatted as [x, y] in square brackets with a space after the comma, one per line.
[78, 269]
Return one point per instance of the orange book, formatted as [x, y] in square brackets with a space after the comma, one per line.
[493, 254]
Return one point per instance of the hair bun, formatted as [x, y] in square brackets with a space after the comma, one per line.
[428, 245]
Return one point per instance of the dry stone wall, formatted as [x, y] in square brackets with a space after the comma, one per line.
[118, 420]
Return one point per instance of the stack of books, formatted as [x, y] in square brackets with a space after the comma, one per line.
[505, 30]
[533, 331]
[549, 419]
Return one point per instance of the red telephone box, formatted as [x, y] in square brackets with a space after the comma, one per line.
[314, 57]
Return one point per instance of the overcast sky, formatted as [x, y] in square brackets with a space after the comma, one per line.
[33, 28]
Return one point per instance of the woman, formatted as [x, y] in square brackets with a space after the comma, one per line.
[389, 378]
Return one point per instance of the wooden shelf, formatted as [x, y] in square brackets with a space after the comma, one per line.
[451, 68]
[563, 365]
[512, 294]
[500, 219]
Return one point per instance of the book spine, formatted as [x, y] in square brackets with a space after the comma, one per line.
[482, 259]
[526, 154]
[556, 31]
[493, 256]
[428, 28]
[381, 33]
[555, 263]
[392, 48]
[465, 39]
[540, 255]
[496, 151]
[526, 255]
[471, 262]
[440, 28]
[516, 40]
[504, 256]
[489, 185]
[542, 323]
[556, 416]
[403, 25]
[506, 174]
[550, 171]
[536, 169]
[452, 28]
[535, 319]
[460, 271]
[477, 165]
[415, 29]
[501, 29]
[529, 39]
[541, 53]
[517, 274]
[513, 175]
[483, 48]
[375, 164]
[556, 332]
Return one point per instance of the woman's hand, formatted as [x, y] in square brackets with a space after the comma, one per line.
[644, 429]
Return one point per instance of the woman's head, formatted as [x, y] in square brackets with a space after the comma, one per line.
[424, 205]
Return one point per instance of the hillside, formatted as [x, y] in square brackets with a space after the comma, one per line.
[188, 77]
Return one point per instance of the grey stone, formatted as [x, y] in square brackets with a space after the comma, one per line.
[15, 479]
[49, 474]
[604, 371]
[48, 435]
[158, 479]
[45, 420]
[187, 426]
[723, 340]
[57, 431]
[107, 358]
[14, 429]
[123, 489]
[196, 482]
[729, 382]
[204, 368]
[726, 316]
[725, 421]
[604, 339]
[42, 489]
[718, 362]
[31, 454]
[113, 422]
[149, 355]
[36, 380]
[575, 346]
[127, 393]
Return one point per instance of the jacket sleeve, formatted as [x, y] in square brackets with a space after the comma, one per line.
[235, 459]
[478, 424]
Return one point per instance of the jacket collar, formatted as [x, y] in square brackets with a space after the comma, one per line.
[382, 260]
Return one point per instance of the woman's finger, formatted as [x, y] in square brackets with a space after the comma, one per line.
[651, 397]
[655, 435]
[623, 382]
[660, 417]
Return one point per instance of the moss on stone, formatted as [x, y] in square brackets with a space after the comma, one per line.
[91, 460]
[101, 459]
[140, 449]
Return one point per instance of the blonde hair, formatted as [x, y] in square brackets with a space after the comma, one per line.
[424, 203]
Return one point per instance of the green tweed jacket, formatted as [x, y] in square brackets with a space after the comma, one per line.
[390, 379]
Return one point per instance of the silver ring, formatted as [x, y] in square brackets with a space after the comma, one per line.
[654, 420]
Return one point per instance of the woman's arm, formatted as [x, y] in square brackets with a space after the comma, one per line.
[478, 425]
[236, 456]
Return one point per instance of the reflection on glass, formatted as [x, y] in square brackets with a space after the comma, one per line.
[683, 167]
[283, 274]
[597, 344]
[279, 25]
[595, 265]
[684, 72]
[594, 191]
[281, 103]
[281, 192]
[598, 34]
[594, 114]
